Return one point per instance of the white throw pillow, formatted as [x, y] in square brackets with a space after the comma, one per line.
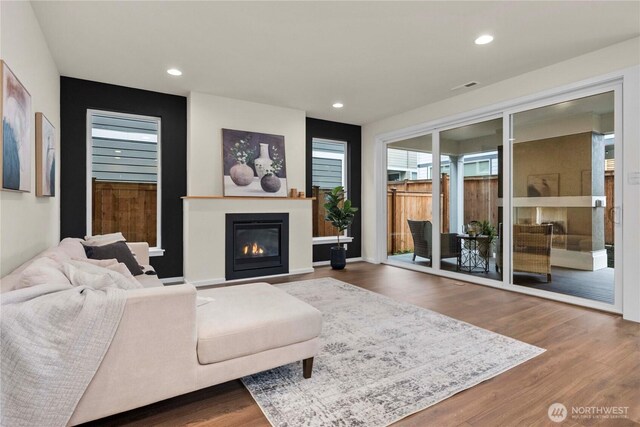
[82, 273]
[42, 271]
[104, 239]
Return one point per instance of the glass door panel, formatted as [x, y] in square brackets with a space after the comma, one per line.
[410, 201]
[563, 187]
[470, 214]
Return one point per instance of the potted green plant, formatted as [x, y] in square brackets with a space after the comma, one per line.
[489, 231]
[340, 214]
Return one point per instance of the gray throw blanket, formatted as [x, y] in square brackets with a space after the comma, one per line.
[53, 339]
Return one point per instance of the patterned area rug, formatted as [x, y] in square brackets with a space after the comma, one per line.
[380, 360]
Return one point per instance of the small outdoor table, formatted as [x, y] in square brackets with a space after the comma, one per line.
[474, 253]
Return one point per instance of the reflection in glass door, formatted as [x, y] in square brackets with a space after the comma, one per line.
[410, 201]
[563, 198]
[470, 166]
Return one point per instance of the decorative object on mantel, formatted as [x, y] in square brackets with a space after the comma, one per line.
[293, 193]
[340, 214]
[15, 137]
[301, 195]
[45, 157]
[253, 164]
[545, 185]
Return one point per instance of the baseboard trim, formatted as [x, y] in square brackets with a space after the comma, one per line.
[323, 263]
[370, 260]
[223, 281]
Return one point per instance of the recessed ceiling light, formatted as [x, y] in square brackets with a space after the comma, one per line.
[338, 105]
[484, 39]
[174, 72]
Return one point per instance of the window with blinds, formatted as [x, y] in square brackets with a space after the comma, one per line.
[125, 171]
[328, 170]
[124, 149]
[328, 163]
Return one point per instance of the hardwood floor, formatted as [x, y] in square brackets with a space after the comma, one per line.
[592, 359]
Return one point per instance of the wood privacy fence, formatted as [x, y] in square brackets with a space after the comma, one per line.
[321, 228]
[481, 200]
[401, 206]
[413, 200]
[126, 207]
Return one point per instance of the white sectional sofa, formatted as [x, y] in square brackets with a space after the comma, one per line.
[168, 344]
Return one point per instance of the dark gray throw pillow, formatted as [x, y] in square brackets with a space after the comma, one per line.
[117, 250]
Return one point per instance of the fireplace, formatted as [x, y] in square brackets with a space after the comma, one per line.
[256, 245]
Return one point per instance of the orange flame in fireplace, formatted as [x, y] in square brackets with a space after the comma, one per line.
[252, 249]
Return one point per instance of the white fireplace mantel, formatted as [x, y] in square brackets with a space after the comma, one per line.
[204, 233]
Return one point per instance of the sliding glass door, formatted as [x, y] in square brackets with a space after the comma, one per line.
[471, 216]
[527, 200]
[564, 186]
[409, 195]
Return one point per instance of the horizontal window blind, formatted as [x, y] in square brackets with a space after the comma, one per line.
[124, 149]
[327, 163]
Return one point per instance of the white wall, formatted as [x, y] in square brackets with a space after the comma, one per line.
[29, 224]
[207, 115]
[204, 223]
[614, 58]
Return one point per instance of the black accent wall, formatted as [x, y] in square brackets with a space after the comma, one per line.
[352, 134]
[76, 97]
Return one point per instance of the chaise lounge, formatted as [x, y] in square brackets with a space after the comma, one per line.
[169, 343]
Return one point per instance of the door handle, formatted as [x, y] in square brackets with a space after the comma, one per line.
[616, 214]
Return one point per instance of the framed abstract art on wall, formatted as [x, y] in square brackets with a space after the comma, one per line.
[15, 138]
[45, 157]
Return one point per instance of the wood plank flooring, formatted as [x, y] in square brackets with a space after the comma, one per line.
[592, 359]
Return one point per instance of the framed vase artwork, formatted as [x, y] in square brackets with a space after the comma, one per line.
[544, 185]
[15, 138]
[45, 157]
[254, 164]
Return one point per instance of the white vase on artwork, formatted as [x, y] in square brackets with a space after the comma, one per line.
[264, 162]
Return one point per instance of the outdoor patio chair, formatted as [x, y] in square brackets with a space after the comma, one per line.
[422, 246]
[531, 249]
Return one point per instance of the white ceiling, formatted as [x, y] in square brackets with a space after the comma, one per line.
[378, 58]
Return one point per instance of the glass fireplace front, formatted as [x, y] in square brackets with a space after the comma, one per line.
[257, 245]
